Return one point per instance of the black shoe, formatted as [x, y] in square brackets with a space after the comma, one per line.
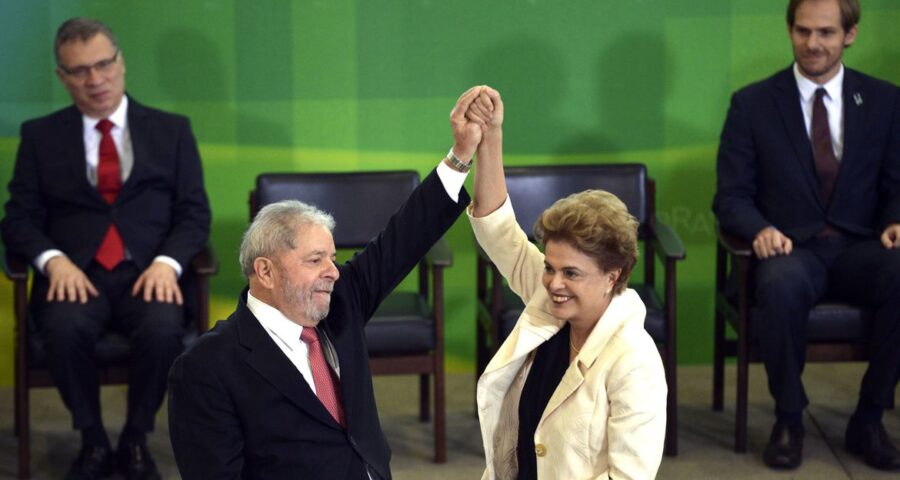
[135, 462]
[91, 463]
[785, 447]
[871, 442]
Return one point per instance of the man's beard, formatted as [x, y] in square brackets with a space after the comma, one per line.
[299, 298]
[807, 62]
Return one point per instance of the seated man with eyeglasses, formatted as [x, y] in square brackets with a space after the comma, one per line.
[107, 200]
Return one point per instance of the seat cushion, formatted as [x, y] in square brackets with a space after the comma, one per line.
[112, 349]
[832, 321]
[403, 324]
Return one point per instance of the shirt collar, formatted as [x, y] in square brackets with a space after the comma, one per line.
[119, 118]
[274, 321]
[808, 88]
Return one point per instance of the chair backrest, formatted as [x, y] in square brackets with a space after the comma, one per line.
[360, 202]
[533, 189]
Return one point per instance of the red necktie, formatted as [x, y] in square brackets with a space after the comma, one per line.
[109, 181]
[826, 162]
[326, 384]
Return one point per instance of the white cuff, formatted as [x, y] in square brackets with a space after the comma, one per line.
[452, 180]
[41, 261]
[170, 262]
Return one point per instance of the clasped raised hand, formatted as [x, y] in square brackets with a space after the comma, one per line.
[478, 113]
[466, 130]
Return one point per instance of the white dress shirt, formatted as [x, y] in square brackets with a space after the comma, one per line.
[834, 103]
[285, 334]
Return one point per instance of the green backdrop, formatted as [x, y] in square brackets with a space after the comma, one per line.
[277, 85]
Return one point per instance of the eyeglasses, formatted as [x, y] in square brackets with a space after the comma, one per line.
[84, 71]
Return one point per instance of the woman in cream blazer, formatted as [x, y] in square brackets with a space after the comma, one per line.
[605, 418]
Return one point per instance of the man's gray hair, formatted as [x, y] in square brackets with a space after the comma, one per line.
[83, 29]
[274, 230]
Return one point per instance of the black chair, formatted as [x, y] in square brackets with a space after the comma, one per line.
[837, 332]
[532, 190]
[406, 335]
[112, 353]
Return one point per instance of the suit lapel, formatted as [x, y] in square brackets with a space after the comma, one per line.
[624, 308]
[140, 143]
[534, 327]
[72, 151]
[854, 115]
[270, 362]
[787, 97]
[571, 380]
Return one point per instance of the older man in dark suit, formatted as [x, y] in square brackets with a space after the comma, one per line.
[107, 199]
[809, 171]
[282, 388]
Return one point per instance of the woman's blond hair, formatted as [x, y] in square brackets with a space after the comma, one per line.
[597, 223]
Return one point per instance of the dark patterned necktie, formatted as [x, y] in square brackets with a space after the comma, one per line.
[826, 162]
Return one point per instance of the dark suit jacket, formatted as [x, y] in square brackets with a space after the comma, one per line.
[161, 209]
[766, 170]
[238, 408]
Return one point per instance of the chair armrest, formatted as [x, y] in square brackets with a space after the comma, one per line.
[440, 254]
[205, 263]
[15, 267]
[668, 244]
[733, 244]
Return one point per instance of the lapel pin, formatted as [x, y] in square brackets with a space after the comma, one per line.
[857, 98]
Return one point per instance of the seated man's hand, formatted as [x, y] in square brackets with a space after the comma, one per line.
[890, 238]
[159, 282]
[770, 242]
[67, 281]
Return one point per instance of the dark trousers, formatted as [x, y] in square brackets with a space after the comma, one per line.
[70, 332]
[859, 271]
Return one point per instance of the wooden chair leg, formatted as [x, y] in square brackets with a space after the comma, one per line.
[718, 363]
[743, 360]
[740, 427]
[671, 361]
[424, 402]
[17, 413]
[719, 329]
[23, 431]
[440, 416]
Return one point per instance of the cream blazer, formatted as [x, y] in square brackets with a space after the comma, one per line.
[607, 417]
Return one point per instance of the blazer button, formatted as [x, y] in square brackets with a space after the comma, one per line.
[540, 450]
